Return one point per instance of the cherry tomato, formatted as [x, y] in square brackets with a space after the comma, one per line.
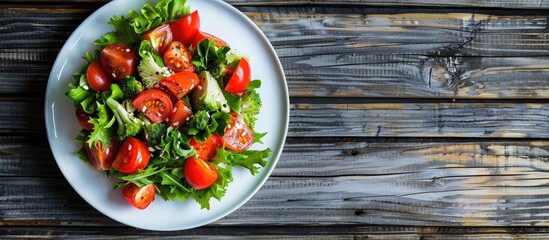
[83, 119]
[97, 79]
[204, 35]
[240, 79]
[206, 150]
[132, 156]
[118, 61]
[199, 173]
[238, 136]
[180, 84]
[180, 114]
[100, 158]
[154, 103]
[160, 38]
[186, 28]
[178, 58]
[139, 197]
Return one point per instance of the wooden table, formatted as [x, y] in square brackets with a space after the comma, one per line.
[412, 119]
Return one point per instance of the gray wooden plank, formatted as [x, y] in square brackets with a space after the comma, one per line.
[286, 232]
[518, 4]
[339, 54]
[479, 120]
[348, 183]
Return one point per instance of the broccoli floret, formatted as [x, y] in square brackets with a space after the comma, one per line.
[151, 69]
[250, 107]
[128, 124]
[131, 87]
[153, 131]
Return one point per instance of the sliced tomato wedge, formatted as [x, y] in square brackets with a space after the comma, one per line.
[160, 38]
[199, 173]
[97, 79]
[238, 136]
[204, 35]
[84, 119]
[155, 104]
[206, 150]
[178, 58]
[181, 114]
[132, 156]
[118, 61]
[186, 28]
[99, 157]
[240, 79]
[180, 84]
[139, 197]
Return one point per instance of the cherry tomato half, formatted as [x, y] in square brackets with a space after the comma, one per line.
[97, 79]
[238, 136]
[199, 173]
[206, 150]
[100, 158]
[83, 119]
[204, 35]
[186, 28]
[154, 103]
[240, 79]
[132, 156]
[180, 115]
[139, 197]
[160, 38]
[118, 61]
[178, 58]
[180, 84]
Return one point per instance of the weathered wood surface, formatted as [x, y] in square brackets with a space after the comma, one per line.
[332, 181]
[374, 138]
[342, 53]
[274, 232]
[520, 4]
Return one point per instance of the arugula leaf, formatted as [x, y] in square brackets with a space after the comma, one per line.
[140, 178]
[258, 136]
[250, 159]
[170, 185]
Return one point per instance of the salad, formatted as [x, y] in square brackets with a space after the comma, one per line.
[167, 108]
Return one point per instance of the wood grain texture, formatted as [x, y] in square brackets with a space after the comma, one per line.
[479, 120]
[327, 182]
[520, 4]
[274, 232]
[343, 53]
[409, 55]
[351, 160]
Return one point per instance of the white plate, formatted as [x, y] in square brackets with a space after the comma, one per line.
[218, 18]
